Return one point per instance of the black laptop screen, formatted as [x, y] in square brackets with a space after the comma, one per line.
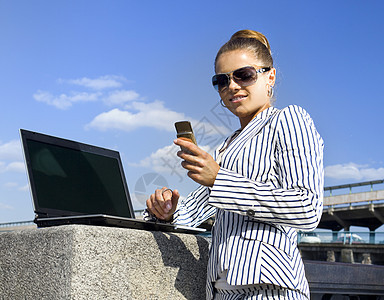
[76, 181]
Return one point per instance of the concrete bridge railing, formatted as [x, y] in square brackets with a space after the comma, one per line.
[354, 198]
[91, 262]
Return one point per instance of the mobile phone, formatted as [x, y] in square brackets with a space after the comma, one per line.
[184, 131]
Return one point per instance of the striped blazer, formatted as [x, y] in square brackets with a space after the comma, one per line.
[269, 185]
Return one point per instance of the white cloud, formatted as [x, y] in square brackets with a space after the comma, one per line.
[16, 186]
[24, 188]
[120, 97]
[148, 115]
[103, 82]
[11, 150]
[155, 115]
[6, 206]
[11, 157]
[16, 166]
[64, 101]
[352, 171]
[165, 160]
[10, 184]
[132, 113]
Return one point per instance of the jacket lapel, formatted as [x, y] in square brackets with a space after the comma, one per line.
[239, 143]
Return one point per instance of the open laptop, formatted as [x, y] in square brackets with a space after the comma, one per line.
[76, 183]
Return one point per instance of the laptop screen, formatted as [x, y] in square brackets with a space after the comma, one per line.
[70, 178]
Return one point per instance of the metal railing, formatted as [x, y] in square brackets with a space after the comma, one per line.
[341, 237]
[20, 223]
[10, 226]
[352, 185]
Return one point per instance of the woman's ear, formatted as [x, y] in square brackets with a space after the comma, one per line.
[272, 77]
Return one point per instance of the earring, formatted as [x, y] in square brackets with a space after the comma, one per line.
[222, 103]
[270, 91]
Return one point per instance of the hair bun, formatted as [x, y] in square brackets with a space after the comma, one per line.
[249, 40]
[251, 34]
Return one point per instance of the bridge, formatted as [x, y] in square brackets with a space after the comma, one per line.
[364, 209]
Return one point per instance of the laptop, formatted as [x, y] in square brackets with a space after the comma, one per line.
[76, 183]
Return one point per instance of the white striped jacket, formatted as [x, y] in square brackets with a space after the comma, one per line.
[270, 183]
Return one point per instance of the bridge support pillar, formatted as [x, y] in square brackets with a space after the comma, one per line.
[347, 256]
[372, 235]
[331, 256]
[334, 235]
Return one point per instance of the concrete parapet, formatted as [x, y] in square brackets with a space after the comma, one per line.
[94, 262]
[333, 252]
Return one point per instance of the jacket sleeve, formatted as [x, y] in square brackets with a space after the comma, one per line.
[194, 209]
[295, 198]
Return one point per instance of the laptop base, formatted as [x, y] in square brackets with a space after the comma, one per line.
[112, 221]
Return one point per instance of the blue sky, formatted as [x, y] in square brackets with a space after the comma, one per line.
[117, 74]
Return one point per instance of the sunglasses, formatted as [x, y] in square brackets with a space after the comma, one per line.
[244, 76]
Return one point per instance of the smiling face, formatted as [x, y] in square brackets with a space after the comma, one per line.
[245, 102]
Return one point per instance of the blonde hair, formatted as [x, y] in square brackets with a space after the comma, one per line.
[252, 41]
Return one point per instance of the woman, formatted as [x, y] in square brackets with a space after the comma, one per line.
[264, 183]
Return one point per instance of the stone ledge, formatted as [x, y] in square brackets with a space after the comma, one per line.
[94, 262]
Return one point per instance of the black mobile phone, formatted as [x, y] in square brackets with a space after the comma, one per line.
[184, 130]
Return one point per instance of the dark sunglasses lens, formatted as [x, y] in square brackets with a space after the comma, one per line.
[245, 76]
[220, 81]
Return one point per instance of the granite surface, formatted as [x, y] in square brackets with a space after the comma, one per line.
[95, 262]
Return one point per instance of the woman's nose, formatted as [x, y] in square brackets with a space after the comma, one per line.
[233, 85]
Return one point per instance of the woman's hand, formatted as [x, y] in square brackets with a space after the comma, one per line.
[202, 167]
[163, 203]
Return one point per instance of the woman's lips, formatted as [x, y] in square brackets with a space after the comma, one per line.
[237, 98]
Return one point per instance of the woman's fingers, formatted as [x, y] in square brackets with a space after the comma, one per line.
[201, 166]
[163, 203]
